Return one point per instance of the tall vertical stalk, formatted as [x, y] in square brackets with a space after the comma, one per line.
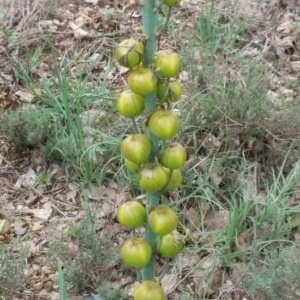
[152, 198]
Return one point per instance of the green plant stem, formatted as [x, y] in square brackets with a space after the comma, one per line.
[165, 269]
[165, 188]
[149, 30]
[167, 90]
[136, 128]
[163, 28]
[152, 198]
[159, 4]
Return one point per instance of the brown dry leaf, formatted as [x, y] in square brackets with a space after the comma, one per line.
[208, 276]
[216, 219]
[25, 96]
[78, 32]
[296, 65]
[26, 180]
[41, 213]
[4, 226]
[169, 283]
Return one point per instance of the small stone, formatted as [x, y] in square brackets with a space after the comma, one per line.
[43, 294]
[19, 230]
[48, 286]
[38, 286]
[53, 277]
[37, 226]
[34, 269]
[4, 226]
[47, 270]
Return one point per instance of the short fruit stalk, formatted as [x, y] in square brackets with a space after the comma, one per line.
[156, 160]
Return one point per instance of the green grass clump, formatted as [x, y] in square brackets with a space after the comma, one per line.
[12, 271]
[228, 95]
[85, 264]
[263, 217]
[276, 275]
[72, 123]
[110, 293]
[30, 127]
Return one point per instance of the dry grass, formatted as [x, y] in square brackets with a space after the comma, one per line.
[21, 21]
[23, 15]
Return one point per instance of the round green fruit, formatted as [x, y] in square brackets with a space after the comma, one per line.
[129, 53]
[164, 124]
[130, 105]
[152, 177]
[131, 166]
[171, 244]
[136, 252]
[131, 214]
[136, 148]
[167, 63]
[171, 3]
[162, 220]
[176, 179]
[142, 81]
[149, 290]
[173, 156]
[174, 92]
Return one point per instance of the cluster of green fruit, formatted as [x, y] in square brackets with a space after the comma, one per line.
[164, 124]
[162, 173]
[136, 252]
